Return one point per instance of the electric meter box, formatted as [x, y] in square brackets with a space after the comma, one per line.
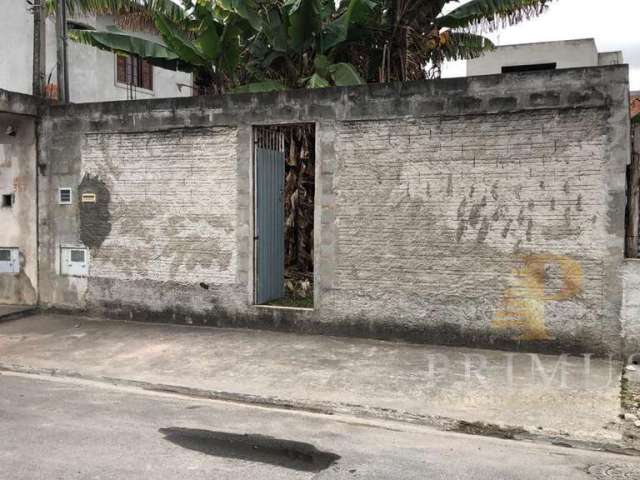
[74, 261]
[9, 260]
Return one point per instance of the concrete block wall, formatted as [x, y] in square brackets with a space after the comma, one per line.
[482, 222]
[481, 211]
[630, 314]
[18, 222]
[169, 201]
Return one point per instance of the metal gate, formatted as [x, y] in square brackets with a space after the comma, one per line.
[269, 214]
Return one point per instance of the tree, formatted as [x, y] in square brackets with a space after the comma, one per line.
[409, 39]
[304, 43]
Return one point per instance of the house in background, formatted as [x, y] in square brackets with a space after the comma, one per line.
[94, 75]
[542, 56]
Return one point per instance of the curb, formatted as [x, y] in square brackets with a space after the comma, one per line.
[446, 424]
[27, 312]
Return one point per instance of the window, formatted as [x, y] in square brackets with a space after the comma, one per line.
[77, 256]
[133, 70]
[7, 200]
[64, 196]
[534, 67]
[5, 255]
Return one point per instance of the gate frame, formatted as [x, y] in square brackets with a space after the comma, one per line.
[317, 192]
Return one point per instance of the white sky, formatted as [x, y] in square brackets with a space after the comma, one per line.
[615, 25]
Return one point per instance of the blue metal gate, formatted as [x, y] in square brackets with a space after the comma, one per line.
[269, 215]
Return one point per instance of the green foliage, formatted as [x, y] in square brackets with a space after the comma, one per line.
[316, 81]
[303, 18]
[463, 45]
[336, 32]
[273, 44]
[155, 53]
[345, 74]
[187, 50]
[491, 13]
[245, 9]
[138, 14]
[257, 87]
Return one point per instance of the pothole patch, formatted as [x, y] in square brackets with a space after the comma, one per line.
[252, 447]
[614, 472]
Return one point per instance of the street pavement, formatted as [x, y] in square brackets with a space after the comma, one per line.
[573, 398]
[61, 428]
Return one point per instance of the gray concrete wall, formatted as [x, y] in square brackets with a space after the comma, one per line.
[18, 223]
[16, 47]
[92, 74]
[630, 315]
[567, 54]
[483, 211]
[610, 58]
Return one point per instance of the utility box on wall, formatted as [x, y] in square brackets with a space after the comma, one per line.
[9, 260]
[74, 261]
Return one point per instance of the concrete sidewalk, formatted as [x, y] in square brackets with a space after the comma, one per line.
[526, 395]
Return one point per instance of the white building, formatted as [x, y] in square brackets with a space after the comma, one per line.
[542, 56]
[93, 73]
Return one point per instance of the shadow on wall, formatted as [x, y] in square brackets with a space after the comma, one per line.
[95, 219]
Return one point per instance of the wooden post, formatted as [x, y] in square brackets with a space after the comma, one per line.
[39, 49]
[633, 195]
[61, 47]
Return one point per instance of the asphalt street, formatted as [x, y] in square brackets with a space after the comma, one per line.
[54, 428]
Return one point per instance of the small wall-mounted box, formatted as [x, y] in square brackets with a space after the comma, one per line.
[9, 260]
[65, 196]
[88, 198]
[74, 261]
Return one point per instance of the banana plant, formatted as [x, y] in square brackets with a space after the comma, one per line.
[198, 40]
[296, 45]
[128, 14]
[115, 40]
[409, 39]
[261, 45]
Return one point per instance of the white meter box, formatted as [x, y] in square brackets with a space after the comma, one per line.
[74, 261]
[9, 260]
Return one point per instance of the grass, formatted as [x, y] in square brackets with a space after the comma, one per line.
[306, 302]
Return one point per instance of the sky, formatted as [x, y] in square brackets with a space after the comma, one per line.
[614, 24]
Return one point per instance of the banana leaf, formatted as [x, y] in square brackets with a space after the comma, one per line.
[266, 86]
[463, 45]
[492, 13]
[316, 81]
[155, 53]
[337, 31]
[178, 43]
[345, 74]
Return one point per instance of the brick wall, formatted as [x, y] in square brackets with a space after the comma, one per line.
[172, 204]
[446, 221]
[478, 211]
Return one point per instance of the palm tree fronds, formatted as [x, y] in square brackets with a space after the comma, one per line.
[483, 15]
[129, 15]
[463, 45]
